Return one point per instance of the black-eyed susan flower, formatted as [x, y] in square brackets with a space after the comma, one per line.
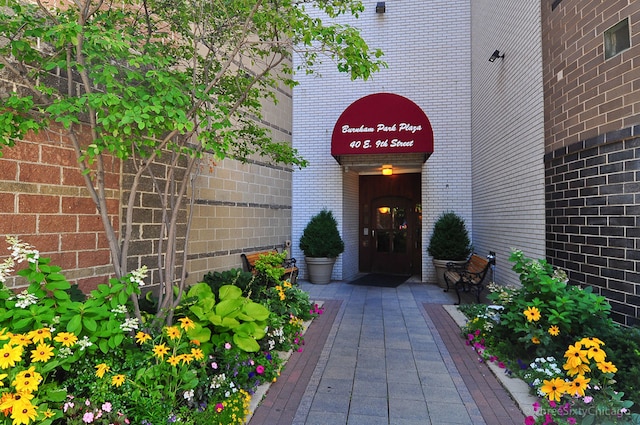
[532, 314]
[23, 411]
[42, 353]
[10, 399]
[575, 355]
[20, 339]
[40, 335]
[117, 380]
[101, 369]
[578, 385]
[596, 354]
[197, 353]
[554, 388]
[186, 358]
[142, 337]
[554, 330]
[591, 342]
[173, 332]
[580, 369]
[607, 367]
[173, 360]
[160, 350]
[186, 323]
[68, 339]
[535, 340]
[9, 355]
[27, 380]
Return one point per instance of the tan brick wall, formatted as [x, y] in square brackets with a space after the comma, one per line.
[43, 201]
[586, 95]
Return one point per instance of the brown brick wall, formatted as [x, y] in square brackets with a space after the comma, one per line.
[43, 201]
[586, 95]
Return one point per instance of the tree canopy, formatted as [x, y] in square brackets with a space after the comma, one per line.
[137, 79]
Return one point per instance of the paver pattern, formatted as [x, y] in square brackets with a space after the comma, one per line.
[386, 356]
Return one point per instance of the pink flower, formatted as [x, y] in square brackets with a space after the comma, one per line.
[214, 365]
[536, 406]
[219, 407]
[529, 420]
[227, 346]
[87, 402]
[300, 349]
[68, 405]
[260, 370]
[587, 399]
[552, 403]
[106, 407]
[571, 421]
[87, 418]
[501, 365]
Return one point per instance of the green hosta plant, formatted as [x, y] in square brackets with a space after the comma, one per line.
[234, 314]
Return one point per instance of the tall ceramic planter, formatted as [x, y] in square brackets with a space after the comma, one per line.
[320, 269]
[441, 267]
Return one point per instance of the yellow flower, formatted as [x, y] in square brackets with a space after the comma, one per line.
[286, 284]
[160, 350]
[186, 323]
[67, 339]
[554, 388]
[591, 342]
[186, 358]
[9, 400]
[173, 360]
[2, 376]
[142, 337]
[101, 369]
[22, 411]
[607, 367]
[578, 385]
[554, 330]
[197, 353]
[532, 314]
[173, 332]
[596, 354]
[580, 369]
[48, 413]
[535, 340]
[42, 353]
[117, 380]
[20, 339]
[9, 355]
[4, 335]
[40, 335]
[27, 380]
[575, 355]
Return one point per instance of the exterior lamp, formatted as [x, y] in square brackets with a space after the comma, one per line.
[381, 7]
[387, 170]
[496, 54]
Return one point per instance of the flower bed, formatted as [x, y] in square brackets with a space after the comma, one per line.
[530, 328]
[67, 359]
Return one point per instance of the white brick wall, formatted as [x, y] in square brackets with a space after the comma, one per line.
[428, 48]
[508, 131]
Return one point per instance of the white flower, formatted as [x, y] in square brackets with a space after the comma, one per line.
[6, 268]
[122, 309]
[84, 343]
[188, 395]
[25, 299]
[138, 276]
[129, 324]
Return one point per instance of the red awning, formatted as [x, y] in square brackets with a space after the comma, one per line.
[382, 123]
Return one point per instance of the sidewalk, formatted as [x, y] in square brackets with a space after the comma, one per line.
[385, 356]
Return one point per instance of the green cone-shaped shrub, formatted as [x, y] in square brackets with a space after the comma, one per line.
[450, 239]
[321, 237]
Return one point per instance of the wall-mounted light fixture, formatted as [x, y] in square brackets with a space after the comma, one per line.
[496, 55]
[381, 7]
[387, 170]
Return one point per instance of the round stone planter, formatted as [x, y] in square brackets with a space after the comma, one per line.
[441, 267]
[320, 269]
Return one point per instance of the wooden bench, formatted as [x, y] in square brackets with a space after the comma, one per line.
[290, 269]
[469, 276]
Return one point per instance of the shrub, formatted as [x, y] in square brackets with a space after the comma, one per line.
[321, 237]
[450, 238]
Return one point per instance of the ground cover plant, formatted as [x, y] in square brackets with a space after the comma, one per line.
[68, 361]
[559, 339]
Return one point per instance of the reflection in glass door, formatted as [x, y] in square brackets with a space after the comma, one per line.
[391, 235]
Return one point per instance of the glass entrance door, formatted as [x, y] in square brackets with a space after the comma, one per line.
[392, 220]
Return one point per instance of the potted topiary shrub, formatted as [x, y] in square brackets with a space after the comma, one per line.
[321, 244]
[449, 243]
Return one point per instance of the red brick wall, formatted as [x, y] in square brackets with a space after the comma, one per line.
[44, 201]
[586, 95]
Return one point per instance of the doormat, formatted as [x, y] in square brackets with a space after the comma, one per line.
[380, 280]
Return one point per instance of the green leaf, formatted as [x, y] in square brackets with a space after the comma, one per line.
[75, 325]
[103, 344]
[246, 343]
[90, 324]
[230, 292]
